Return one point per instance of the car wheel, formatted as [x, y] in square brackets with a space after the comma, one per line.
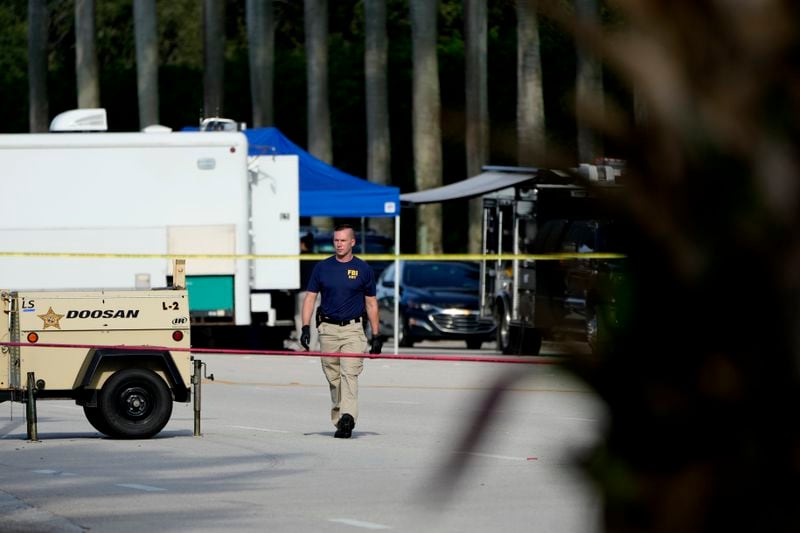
[404, 339]
[95, 418]
[135, 403]
[474, 344]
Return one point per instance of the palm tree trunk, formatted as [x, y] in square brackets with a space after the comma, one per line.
[376, 52]
[214, 56]
[530, 100]
[426, 121]
[86, 55]
[37, 66]
[588, 85]
[320, 143]
[261, 40]
[477, 108]
[319, 118]
[144, 22]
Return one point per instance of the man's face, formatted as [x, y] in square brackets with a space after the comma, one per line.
[343, 241]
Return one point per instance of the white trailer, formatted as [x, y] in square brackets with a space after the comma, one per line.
[148, 195]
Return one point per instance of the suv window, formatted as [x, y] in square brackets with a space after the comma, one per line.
[585, 236]
[611, 238]
[549, 236]
[582, 237]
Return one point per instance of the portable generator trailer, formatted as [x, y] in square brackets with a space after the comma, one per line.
[128, 199]
[125, 391]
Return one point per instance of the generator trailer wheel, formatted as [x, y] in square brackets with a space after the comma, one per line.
[135, 404]
[95, 418]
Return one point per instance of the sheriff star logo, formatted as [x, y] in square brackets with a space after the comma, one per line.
[51, 319]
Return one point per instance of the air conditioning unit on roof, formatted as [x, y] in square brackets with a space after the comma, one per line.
[76, 120]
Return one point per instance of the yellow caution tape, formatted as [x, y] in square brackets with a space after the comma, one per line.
[318, 257]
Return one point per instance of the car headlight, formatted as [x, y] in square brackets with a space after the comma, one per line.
[423, 306]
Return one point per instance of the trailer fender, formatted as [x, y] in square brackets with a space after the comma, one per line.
[150, 358]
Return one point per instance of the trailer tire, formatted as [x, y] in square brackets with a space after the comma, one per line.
[530, 342]
[95, 418]
[504, 344]
[522, 341]
[597, 329]
[135, 404]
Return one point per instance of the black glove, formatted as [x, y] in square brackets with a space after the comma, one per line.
[375, 345]
[305, 337]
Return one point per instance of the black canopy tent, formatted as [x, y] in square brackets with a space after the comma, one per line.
[492, 179]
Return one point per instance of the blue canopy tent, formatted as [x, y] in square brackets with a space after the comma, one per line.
[325, 190]
[329, 192]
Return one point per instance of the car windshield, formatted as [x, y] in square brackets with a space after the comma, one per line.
[441, 275]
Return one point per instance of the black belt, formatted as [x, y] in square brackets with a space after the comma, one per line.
[330, 320]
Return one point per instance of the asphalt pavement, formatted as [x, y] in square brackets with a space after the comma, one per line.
[267, 459]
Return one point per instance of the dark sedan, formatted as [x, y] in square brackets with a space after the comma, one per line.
[438, 300]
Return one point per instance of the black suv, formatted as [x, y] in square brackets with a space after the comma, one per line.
[579, 297]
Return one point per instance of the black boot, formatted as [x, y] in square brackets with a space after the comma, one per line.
[345, 427]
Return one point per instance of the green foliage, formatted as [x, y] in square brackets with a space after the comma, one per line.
[13, 65]
[180, 30]
[13, 40]
[115, 41]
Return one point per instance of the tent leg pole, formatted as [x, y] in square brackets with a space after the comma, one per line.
[396, 281]
[363, 237]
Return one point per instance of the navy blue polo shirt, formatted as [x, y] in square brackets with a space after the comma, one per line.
[343, 287]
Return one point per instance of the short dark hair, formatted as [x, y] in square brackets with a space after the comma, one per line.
[342, 227]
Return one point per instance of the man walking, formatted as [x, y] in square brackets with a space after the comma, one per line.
[347, 286]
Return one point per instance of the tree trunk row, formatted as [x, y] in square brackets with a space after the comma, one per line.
[427, 147]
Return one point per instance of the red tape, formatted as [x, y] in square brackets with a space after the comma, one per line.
[463, 358]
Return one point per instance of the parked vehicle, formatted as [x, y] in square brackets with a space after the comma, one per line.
[154, 193]
[438, 300]
[125, 393]
[580, 295]
[535, 300]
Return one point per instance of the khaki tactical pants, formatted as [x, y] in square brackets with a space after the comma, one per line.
[342, 373]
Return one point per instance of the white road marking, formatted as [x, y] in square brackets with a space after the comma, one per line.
[70, 407]
[145, 488]
[358, 523]
[259, 429]
[53, 473]
[492, 456]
